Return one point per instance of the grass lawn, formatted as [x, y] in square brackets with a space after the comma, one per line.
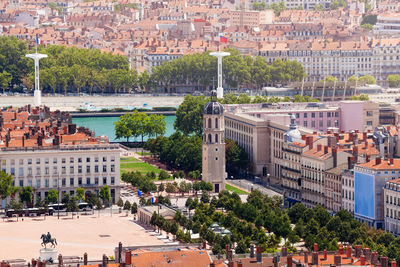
[235, 189]
[129, 159]
[144, 153]
[142, 167]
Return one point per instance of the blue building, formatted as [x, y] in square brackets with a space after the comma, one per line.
[369, 181]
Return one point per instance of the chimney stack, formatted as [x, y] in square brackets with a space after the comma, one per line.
[259, 254]
[204, 244]
[128, 257]
[341, 250]
[315, 246]
[252, 254]
[348, 252]
[283, 252]
[384, 262]
[378, 161]
[325, 149]
[305, 257]
[391, 161]
[393, 264]
[362, 260]
[325, 254]
[374, 258]
[85, 259]
[358, 251]
[289, 261]
[319, 147]
[334, 154]
[315, 258]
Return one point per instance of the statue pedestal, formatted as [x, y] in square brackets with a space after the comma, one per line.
[48, 253]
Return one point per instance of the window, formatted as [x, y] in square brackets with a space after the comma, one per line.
[104, 180]
[369, 123]
[87, 159]
[88, 180]
[96, 168]
[313, 124]
[369, 114]
[54, 160]
[29, 170]
[29, 161]
[96, 180]
[79, 169]
[112, 168]
[336, 114]
[21, 162]
[321, 123]
[79, 160]
[30, 182]
[21, 171]
[209, 138]
[46, 160]
[80, 181]
[297, 115]
[37, 182]
[21, 183]
[321, 115]
[46, 170]
[71, 181]
[71, 169]
[216, 158]
[305, 115]
[63, 182]
[216, 138]
[63, 160]
[112, 158]
[328, 124]
[328, 114]
[305, 123]
[63, 170]
[104, 168]
[87, 169]
[37, 170]
[55, 182]
[209, 123]
[104, 159]
[71, 160]
[313, 115]
[96, 159]
[112, 180]
[46, 182]
[37, 161]
[55, 170]
[216, 122]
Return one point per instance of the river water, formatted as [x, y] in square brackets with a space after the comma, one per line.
[105, 126]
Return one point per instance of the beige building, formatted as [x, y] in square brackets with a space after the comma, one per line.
[392, 206]
[66, 167]
[333, 188]
[146, 212]
[251, 18]
[348, 190]
[213, 148]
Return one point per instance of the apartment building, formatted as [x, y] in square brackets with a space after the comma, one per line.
[391, 193]
[251, 18]
[387, 24]
[333, 188]
[292, 4]
[44, 150]
[370, 179]
[348, 190]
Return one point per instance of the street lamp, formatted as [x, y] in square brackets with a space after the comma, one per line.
[268, 181]
[58, 189]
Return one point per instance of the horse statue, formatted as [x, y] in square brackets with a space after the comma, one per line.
[48, 239]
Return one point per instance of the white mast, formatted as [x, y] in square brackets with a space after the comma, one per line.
[220, 55]
[37, 93]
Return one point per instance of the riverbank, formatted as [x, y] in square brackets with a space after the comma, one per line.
[73, 103]
[116, 114]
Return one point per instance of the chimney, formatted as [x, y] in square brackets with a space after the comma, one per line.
[305, 257]
[60, 260]
[358, 251]
[334, 154]
[384, 261]
[378, 161]
[33, 262]
[226, 248]
[310, 142]
[315, 246]
[367, 253]
[367, 158]
[325, 149]
[341, 250]
[204, 244]
[374, 258]
[259, 254]
[364, 136]
[229, 255]
[23, 141]
[391, 161]
[325, 254]
[85, 258]
[393, 264]
[348, 252]
[337, 260]
[252, 254]
[231, 264]
[366, 144]
[289, 261]
[283, 252]
[315, 258]
[104, 261]
[239, 264]
[128, 257]
[319, 147]
[362, 260]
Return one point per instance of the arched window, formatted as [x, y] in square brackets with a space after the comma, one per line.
[209, 123]
[216, 138]
[216, 123]
[209, 138]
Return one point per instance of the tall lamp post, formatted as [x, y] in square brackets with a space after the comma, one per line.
[58, 191]
[37, 93]
[220, 55]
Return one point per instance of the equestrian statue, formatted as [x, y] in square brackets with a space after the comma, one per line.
[48, 239]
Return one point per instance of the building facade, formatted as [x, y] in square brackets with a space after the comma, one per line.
[392, 206]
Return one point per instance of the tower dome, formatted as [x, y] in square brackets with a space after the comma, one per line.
[213, 107]
[293, 134]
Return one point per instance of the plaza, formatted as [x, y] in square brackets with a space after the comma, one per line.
[88, 233]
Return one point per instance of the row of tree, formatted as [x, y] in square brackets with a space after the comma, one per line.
[139, 124]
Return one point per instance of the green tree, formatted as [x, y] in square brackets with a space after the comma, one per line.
[330, 79]
[394, 80]
[189, 115]
[5, 80]
[120, 203]
[105, 194]
[367, 26]
[80, 194]
[277, 7]
[6, 186]
[368, 79]
[335, 4]
[26, 195]
[127, 205]
[52, 196]
[134, 208]
[319, 7]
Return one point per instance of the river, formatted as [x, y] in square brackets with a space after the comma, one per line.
[105, 126]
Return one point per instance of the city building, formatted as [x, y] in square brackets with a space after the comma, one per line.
[369, 181]
[387, 24]
[391, 193]
[251, 18]
[146, 212]
[348, 190]
[333, 188]
[213, 148]
[44, 150]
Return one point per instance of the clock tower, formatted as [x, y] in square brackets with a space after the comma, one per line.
[213, 154]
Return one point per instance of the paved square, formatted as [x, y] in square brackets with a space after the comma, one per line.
[89, 233]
